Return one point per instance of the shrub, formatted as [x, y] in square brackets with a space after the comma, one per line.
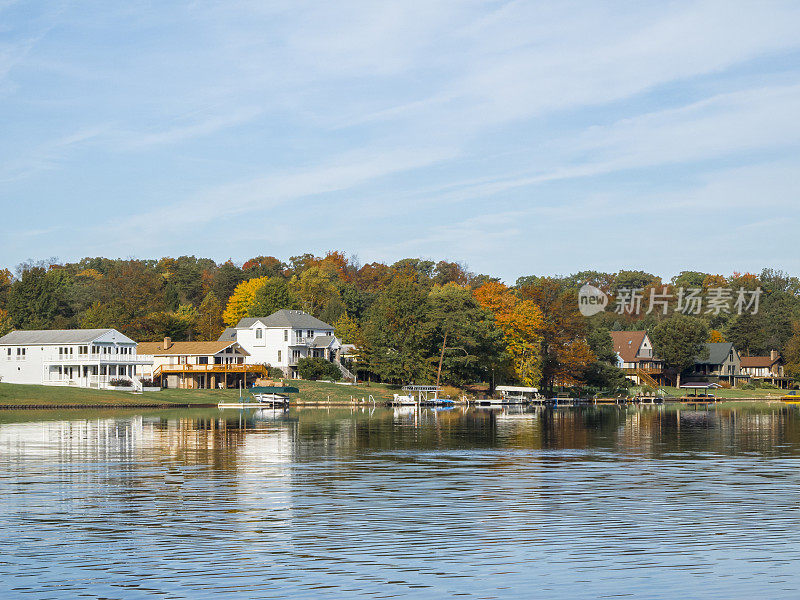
[318, 368]
[147, 382]
[121, 383]
[274, 372]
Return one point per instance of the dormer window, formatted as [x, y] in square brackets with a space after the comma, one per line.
[259, 333]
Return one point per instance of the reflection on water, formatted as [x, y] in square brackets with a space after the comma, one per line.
[568, 503]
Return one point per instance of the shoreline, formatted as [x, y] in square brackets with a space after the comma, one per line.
[324, 404]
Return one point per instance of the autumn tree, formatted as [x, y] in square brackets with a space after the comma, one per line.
[520, 322]
[209, 322]
[263, 266]
[715, 337]
[5, 285]
[314, 287]
[565, 353]
[5, 322]
[189, 315]
[99, 316]
[272, 295]
[346, 329]
[456, 322]
[243, 297]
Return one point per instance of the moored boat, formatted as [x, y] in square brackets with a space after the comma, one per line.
[274, 396]
[421, 395]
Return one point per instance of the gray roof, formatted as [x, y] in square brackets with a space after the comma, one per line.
[229, 335]
[52, 336]
[296, 319]
[323, 341]
[717, 354]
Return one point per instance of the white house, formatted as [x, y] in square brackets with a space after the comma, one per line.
[197, 365]
[77, 357]
[283, 338]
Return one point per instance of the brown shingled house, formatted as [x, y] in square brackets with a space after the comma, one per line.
[636, 357]
[765, 368]
[198, 365]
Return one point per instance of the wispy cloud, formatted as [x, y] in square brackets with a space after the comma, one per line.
[460, 127]
[197, 127]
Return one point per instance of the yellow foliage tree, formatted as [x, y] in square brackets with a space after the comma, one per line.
[5, 322]
[242, 299]
[347, 330]
[715, 337]
[315, 286]
[521, 322]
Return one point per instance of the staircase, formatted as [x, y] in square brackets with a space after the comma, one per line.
[345, 372]
[646, 378]
[137, 385]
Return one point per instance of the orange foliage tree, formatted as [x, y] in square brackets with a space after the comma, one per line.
[564, 350]
[521, 322]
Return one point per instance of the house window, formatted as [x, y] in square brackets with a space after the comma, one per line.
[259, 334]
[279, 356]
[310, 333]
[285, 335]
[202, 360]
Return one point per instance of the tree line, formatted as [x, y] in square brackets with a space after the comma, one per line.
[406, 317]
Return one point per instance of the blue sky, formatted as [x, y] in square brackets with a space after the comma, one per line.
[519, 137]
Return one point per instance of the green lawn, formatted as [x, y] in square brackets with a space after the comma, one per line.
[317, 391]
[729, 393]
[310, 391]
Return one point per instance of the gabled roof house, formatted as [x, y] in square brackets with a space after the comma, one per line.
[283, 338]
[198, 364]
[635, 355]
[74, 357]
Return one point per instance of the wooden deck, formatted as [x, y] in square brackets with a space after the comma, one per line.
[202, 369]
[209, 376]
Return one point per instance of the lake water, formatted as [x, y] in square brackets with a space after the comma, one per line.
[569, 503]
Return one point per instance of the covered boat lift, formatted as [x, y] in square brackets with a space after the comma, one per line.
[697, 386]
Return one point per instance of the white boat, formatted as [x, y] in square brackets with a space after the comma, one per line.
[272, 399]
[515, 394]
[264, 396]
[489, 402]
[421, 395]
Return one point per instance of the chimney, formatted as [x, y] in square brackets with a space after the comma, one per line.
[167, 343]
[773, 355]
